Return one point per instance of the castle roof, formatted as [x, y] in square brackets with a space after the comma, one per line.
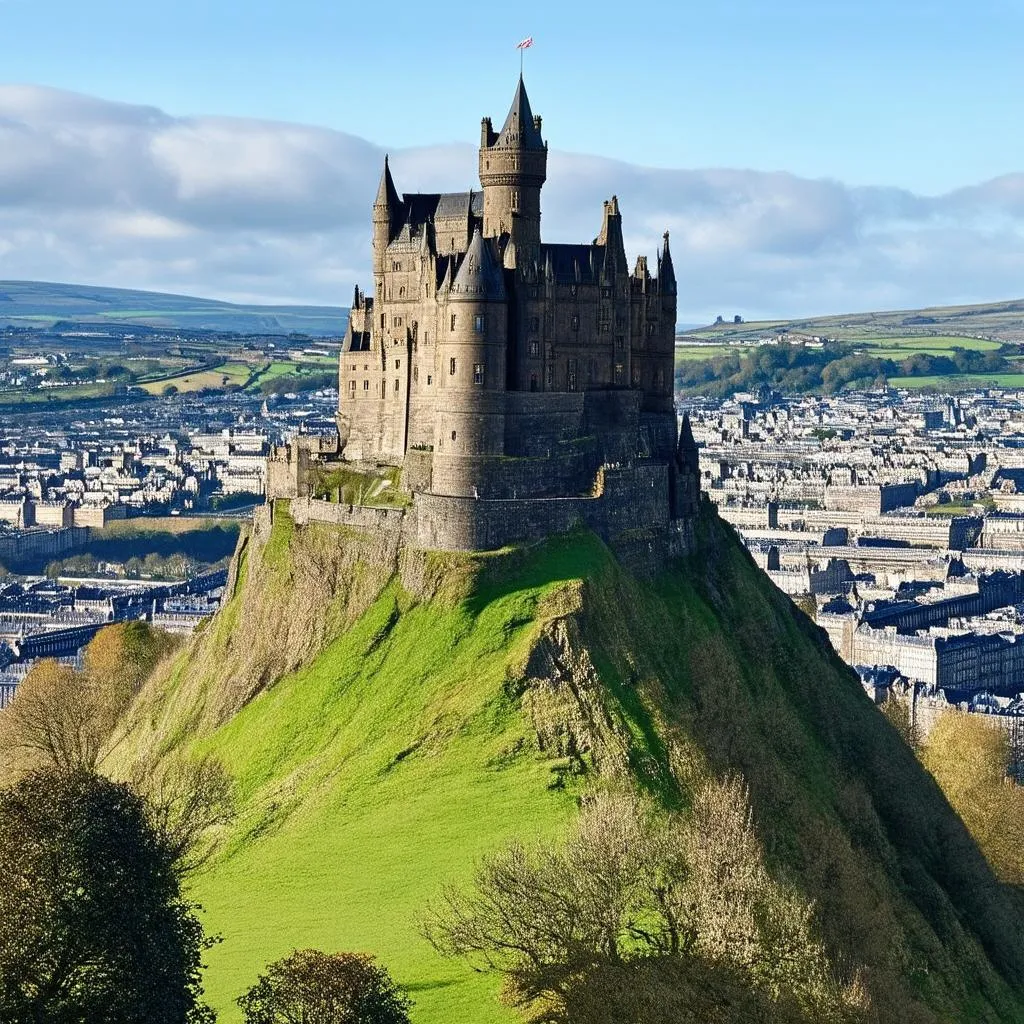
[419, 208]
[387, 194]
[570, 263]
[520, 131]
[480, 278]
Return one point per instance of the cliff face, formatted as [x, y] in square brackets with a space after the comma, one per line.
[389, 715]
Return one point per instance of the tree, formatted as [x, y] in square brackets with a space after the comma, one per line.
[189, 802]
[52, 720]
[311, 986]
[93, 924]
[969, 759]
[632, 887]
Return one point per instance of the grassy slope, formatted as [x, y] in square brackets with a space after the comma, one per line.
[428, 732]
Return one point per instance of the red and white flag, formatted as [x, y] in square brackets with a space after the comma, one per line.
[525, 44]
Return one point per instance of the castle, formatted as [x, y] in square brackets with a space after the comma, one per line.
[521, 386]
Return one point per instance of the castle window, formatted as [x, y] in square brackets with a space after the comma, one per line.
[534, 348]
[396, 385]
[478, 373]
[549, 377]
[383, 322]
[430, 380]
[453, 435]
[533, 382]
[575, 323]
[636, 376]
[534, 323]
[650, 330]
[366, 385]
[619, 370]
[620, 343]
[398, 364]
[479, 324]
[603, 326]
[351, 389]
[401, 293]
[515, 200]
[451, 366]
[426, 337]
[396, 265]
[416, 375]
[570, 376]
[573, 289]
[396, 321]
[453, 321]
[606, 290]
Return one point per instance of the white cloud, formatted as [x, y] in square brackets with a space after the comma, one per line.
[109, 193]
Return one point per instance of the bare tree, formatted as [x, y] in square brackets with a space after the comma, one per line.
[190, 802]
[632, 886]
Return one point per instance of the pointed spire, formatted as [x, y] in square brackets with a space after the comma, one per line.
[480, 277]
[521, 129]
[387, 194]
[687, 453]
[666, 272]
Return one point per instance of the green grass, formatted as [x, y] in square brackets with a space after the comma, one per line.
[412, 743]
[960, 382]
[378, 773]
[225, 375]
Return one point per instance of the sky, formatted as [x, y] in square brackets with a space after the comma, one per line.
[809, 158]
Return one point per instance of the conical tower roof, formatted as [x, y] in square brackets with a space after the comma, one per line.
[387, 194]
[519, 130]
[480, 277]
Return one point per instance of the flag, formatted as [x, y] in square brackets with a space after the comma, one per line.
[525, 44]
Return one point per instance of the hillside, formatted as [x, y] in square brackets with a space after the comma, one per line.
[997, 321]
[391, 715]
[41, 304]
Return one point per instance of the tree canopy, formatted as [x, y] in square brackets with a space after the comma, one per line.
[93, 923]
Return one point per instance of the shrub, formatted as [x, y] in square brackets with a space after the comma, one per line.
[339, 988]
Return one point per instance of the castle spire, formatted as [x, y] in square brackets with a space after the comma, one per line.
[521, 129]
[387, 194]
[480, 277]
[666, 272]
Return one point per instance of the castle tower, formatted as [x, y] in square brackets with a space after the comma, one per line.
[513, 168]
[471, 367]
[385, 218]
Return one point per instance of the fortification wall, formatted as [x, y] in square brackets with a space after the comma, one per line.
[373, 520]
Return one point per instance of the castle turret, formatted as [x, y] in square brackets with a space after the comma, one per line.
[385, 215]
[513, 169]
[472, 349]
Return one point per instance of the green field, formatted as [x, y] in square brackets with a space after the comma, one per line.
[231, 374]
[959, 382]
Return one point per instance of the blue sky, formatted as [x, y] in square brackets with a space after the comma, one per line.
[923, 95]
[808, 158]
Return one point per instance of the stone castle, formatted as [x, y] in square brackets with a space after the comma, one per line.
[521, 386]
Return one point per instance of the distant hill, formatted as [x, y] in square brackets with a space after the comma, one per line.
[41, 304]
[998, 321]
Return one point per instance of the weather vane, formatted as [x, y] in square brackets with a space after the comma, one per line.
[522, 47]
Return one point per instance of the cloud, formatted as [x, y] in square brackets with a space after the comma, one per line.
[110, 193]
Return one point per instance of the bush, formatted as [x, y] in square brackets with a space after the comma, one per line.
[339, 988]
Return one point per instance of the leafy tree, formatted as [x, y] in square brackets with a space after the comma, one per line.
[93, 924]
[969, 759]
[62, 718]
[52, 720]
[311, 986]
